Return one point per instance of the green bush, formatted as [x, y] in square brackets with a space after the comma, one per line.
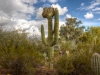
[64, 65]
[21, 62]
[79, 61]
[81, 58]
[18, 54]
[81, 52]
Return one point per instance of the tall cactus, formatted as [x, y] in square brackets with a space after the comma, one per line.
[52, 38]
[95, 63]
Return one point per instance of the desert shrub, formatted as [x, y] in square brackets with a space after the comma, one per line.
[18, 54]
[81, 58]
[64, 65]
[79, 61]
[82, 50]
[21, 63]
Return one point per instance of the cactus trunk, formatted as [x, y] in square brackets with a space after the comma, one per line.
[50, 55]
[95, 63]
[52, 34]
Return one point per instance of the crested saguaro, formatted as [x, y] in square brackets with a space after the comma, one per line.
[52, 38]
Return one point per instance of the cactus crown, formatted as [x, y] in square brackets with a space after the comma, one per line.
[48, 12]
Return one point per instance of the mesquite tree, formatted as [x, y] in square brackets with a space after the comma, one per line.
[72, 29]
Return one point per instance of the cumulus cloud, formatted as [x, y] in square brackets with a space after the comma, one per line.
[52, 1]
[62, 11]
[39, 13]
[99, 19]
[46, 5]
[27, 27]
[82, 4]
[24, 25]
[30, 2]
[17, 8]
[68, 16]
[32, 27]
[14, 14]
[88, 15]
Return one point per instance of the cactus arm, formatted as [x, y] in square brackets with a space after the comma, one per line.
[56, 26]
[43, 35]
[50, 34]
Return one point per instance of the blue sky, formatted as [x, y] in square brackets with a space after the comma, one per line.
[26, 14]
[87, 11]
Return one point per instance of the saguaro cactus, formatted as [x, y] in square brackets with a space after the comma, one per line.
[52, 38]
[95, 63]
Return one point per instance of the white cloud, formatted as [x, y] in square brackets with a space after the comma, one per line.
[68, 16]
[24, 25]
[98, 1]
[96, 9]
[62, 11]
[82, 4]
[52, 1]
[16, 8]
[32, 27]
[99, 19]
[16, 14]
[39, 13]
[27, 27]
[33, 31]
[92, 7]
[46, 5]
[30, 1]
[89, 15]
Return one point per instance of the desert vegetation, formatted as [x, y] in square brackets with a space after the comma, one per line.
[21, 55]
[18, 54]
[74, 55]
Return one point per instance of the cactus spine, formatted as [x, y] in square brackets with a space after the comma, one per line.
[52, 38]
[95, 63]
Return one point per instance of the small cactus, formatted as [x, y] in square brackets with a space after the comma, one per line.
[95, 63]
